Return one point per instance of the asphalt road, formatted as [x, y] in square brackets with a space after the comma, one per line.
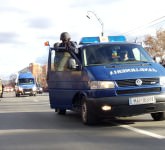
[28, 123]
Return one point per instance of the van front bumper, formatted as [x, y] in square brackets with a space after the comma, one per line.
[26, 92]
[120, 106]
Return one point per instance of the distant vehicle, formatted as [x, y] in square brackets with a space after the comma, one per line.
[39, 88]
[104, 80]
[8, 89]
[45, 89]
[25, 85]
[1, 89]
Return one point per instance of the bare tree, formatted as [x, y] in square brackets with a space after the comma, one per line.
[156, 45]
[12, 79]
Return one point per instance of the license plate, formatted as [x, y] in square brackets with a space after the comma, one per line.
[141, 100]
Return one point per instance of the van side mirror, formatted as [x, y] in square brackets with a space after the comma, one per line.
[72, 63]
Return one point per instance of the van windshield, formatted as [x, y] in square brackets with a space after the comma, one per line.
[26, 81]
[115, 53]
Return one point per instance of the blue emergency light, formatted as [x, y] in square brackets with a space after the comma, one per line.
[120, 38]
[97, 39]
[88, 40]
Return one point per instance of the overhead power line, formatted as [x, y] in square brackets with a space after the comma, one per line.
[147, 25]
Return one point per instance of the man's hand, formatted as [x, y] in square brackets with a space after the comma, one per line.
[68, 45]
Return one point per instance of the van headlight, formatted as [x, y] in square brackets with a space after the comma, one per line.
[20, 88]
[34, 88]
[101, 84]
[162, 81]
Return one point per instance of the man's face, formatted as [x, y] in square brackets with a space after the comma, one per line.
[65, 41]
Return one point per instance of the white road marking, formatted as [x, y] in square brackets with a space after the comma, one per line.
[24, 131]
[143, 132]
[36, 100]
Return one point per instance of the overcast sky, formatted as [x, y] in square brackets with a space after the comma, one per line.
[26, 24]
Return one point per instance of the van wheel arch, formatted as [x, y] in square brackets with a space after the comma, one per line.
[159, 116]
[77, 100]
[87, 116]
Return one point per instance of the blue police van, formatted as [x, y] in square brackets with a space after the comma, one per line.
[25, 84]
[108, 77]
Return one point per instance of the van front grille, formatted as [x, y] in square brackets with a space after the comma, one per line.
[132, 82]
[27, 90]
[143, 90]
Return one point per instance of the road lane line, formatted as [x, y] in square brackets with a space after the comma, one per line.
[143, 132]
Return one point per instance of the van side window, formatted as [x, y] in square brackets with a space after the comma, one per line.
[52, 60]
[61, 61]
[138, 55]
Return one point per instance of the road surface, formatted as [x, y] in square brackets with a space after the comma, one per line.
[28, 123]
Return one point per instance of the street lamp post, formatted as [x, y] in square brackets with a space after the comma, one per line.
[100, 21]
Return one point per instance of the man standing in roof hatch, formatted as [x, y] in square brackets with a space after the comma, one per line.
[67, 43]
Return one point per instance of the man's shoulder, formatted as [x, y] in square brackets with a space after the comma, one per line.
[73, 43]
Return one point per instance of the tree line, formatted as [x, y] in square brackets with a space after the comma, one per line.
[155, 45]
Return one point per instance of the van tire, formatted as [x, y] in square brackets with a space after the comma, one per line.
[159, 116]
[17, 95]
[61, 111]
[87, 116]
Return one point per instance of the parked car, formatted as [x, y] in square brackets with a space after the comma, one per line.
[8, 89]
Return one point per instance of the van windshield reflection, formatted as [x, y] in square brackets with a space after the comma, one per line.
[115, 54]
[26, 81]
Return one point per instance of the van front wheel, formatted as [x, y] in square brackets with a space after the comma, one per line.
[158, 116]
[88, 118]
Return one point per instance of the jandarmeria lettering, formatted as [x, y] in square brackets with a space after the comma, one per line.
[121, 71]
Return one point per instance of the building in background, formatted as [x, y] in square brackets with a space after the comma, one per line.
[39, 72]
